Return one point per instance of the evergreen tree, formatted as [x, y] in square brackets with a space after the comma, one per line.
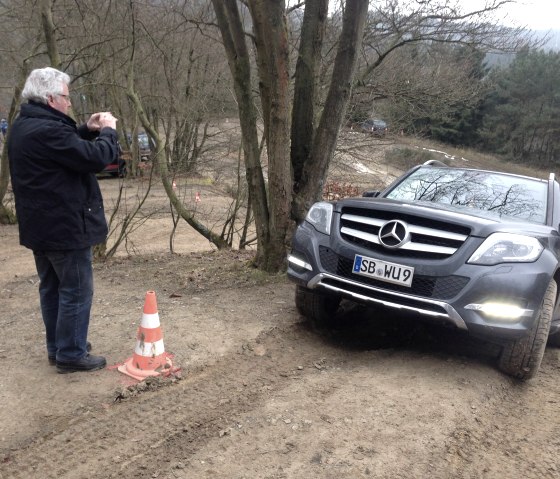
[461, 125]
[522, 116]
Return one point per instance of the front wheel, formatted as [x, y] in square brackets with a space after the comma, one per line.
[319, 308]
[521, 358]
[554, 335]
[554, 340]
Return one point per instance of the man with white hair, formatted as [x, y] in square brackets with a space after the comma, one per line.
[60, 208]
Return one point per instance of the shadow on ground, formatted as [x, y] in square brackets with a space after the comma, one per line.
[364, 328]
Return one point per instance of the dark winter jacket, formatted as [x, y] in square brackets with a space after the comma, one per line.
[52, 167]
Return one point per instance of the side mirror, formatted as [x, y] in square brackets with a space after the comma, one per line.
[370, 194]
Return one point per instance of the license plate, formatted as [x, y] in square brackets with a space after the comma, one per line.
[383, 270]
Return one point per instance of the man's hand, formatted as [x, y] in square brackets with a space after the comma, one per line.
[100, 120]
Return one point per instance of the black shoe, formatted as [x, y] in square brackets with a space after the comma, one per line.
[87, 363]
[52, 359]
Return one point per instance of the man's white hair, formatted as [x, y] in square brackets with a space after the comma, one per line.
[43, 82]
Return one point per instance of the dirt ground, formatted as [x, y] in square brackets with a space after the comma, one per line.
[261, 393]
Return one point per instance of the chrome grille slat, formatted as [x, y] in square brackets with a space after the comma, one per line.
[414, 246]
[360, 234]
[363, 219]
[435, 232]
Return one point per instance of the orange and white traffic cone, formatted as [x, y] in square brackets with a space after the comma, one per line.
[149, 358]
[197, 197]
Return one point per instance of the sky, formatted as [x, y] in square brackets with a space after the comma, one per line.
[534, 14]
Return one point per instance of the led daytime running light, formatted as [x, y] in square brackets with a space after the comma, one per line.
[500, 310]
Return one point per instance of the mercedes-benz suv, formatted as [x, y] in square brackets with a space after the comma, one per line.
[476, 249]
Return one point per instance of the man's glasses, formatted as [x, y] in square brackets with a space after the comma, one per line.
[66, 97]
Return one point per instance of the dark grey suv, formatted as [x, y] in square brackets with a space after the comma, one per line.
[476, 249]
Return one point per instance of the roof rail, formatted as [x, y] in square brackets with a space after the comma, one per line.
[434, 163]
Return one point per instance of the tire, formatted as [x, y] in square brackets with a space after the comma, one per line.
[122, 171]
[319, 308]
[521, 358]
[554, 337]
[554, 340]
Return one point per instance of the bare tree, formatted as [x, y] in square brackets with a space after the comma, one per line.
[167, 98]
[316, 118]
[237, 52]
[157, 65]
[324, 141]
[273, 208]
[21, 43]
[159, 156]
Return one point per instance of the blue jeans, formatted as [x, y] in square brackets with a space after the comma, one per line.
[66, 292]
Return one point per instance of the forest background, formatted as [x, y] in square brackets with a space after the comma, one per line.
[292, 74]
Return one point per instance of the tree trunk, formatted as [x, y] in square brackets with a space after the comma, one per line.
[315, 168]
[312, 152]
[49, 31]
[271, 38]
[233, 36]
[8, 216]
[306, 83]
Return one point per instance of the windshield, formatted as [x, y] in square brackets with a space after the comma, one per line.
[143, 141]
[490, 194]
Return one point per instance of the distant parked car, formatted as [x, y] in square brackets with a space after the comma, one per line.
[375, 127]
[117, 168]
[144, 146]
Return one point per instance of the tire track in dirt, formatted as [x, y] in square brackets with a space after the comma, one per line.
[515, 432]
[125, 439]
[366, 404]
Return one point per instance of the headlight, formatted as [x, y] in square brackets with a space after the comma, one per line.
[507, 248]
[320, 216]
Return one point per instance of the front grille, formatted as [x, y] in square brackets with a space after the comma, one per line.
[429, 239]
[435, 287]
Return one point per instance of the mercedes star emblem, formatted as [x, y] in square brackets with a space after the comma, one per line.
[394, 234]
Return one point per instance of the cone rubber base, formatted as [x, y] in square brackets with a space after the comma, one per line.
[129, 369]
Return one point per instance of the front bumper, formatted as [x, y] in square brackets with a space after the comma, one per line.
[445, 290]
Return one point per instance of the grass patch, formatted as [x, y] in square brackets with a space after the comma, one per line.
[405, 157]
[416, 151]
